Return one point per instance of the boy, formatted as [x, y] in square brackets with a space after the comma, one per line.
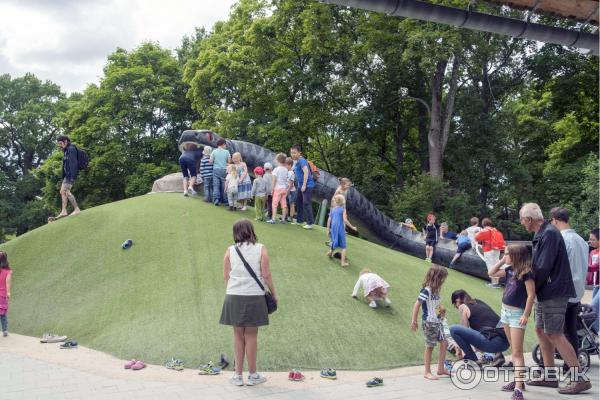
[206, 172]
[259, 193]
[292, 193]
[268, 177]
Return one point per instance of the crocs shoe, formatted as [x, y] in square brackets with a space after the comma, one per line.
[130, 363]
[138, 365]
[328, 374]
[375, 382]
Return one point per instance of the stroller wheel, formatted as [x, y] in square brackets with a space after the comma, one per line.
[536, 354]
[584, 358]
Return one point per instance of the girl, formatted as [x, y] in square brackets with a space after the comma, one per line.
[517, 303]
[5, 284]
[431, 232]
[374, 287]
[429, 300]
[336, 224]
[244, 307]
[231, 186]
[345, 185]
[244, 191]
[280, 187]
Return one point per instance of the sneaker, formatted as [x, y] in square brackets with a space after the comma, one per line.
[237, 380]
[175, 364]
[428, 259]
[271, 222]
[71, 344]
[208, 369]
[328, 374]
[448, 365]
[387, 302]
[243, 208]
[494, 285]
[52, 338]
[192, 192]
[255, 379]
[283, 221]
[307, 226]
[185, 194]
[5, 333]
[295, 376]
[575, 387]
[373, 304]
[294, 222]
[517, 395]
[375, 382]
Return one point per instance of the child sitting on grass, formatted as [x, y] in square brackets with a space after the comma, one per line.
[430, 302]
[374, 288]
[336, 224]
[231, 186]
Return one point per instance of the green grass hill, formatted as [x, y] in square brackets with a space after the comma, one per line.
[163, 297]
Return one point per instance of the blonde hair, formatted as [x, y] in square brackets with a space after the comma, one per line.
[520, 258]
[339, 200]
[232, 170]
[237, 155]
[435, 277]
[364, 271]
[281, 158]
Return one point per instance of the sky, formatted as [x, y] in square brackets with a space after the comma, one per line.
[67, 41]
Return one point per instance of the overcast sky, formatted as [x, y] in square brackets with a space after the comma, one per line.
[67, 41]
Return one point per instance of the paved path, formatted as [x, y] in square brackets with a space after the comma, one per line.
[28, 373]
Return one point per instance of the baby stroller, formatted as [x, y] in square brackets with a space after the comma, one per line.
[587, 338]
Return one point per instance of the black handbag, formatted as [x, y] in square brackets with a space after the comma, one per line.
[271, 304]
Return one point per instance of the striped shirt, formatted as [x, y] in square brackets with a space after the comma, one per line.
[206, 168]
[430, 303]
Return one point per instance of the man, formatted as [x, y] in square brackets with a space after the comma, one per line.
[70, 171]
[445, 233]
[219, 158]
[553, 287]
[492, 243]
[577, 252]
[306, 185]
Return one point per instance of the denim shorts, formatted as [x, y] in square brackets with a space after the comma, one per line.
[291, 197]
[511, 317]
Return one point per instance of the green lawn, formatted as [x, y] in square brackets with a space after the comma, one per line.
[163, 297]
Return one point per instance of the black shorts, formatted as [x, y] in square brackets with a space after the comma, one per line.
[430, 242]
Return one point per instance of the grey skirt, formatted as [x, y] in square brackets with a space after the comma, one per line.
[244, 311]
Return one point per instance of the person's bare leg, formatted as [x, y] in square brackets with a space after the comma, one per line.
[546, 347]
[344, 262]
[64, 201]
[185, 185]
[73, 202]
[251, 339]
[192, 182]
[441, 358]
[284, 213]
[238, 348]
[517, 336]
[564, 347]
[456, 256]
[293, 211]
[427, 358]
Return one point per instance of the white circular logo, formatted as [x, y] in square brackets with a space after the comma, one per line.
[466, 374]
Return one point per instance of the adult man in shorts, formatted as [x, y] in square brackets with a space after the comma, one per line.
[70, 171]
[553, 287]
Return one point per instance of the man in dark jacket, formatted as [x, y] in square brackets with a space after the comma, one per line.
[553, 287]
[70, 171]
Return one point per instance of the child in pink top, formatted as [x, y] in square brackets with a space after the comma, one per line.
[5, 277]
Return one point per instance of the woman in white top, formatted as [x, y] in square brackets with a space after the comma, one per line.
[245, 307]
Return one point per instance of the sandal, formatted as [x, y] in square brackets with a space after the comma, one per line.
[138, 365]
[129, 364]
[208, 369]
[175, 364]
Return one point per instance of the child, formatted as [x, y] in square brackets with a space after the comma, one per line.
[231, 186]
[268, 177]
[374, 287]
[206, 172]
[429, 301]
[463, 243]
[345, 185]
[244, 191]
[431, 232]
[517, 303]
[409, 224]
[473, 230]
[5, 284]
[336, 224]
[259, 192]
[280, 186]
[292, 192]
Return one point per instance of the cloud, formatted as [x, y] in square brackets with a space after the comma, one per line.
[67, 41]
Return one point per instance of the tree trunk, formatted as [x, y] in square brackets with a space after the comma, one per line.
[435, 123]
[399, 137]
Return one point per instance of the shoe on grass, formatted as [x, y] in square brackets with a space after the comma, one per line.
[272, 222]
[255, 379]
[308, 226]
[237, 380]
[387, 302]
[328, 374]
[372, 304]
[375, 382]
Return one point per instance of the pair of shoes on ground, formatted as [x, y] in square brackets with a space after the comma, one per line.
[428, 259]
[175, 364]
[134, 364]
[190, 192]
[253, 379]
[328, 374]
[296, 376]
[375, 382]
[70, 344]
[573, 387]
[52, 338]
[387, 303]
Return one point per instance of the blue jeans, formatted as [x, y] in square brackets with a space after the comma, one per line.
[4, 322]
[467, 337]
[595, 306]
[304, 209]
[218, 192]
[208, 188]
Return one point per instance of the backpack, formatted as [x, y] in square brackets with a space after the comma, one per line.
[83, 159]
[496, 239]
[315, 171]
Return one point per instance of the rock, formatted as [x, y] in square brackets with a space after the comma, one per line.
[171, 183]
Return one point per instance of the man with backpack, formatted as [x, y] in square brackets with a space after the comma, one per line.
[70, 171]
[492, 243]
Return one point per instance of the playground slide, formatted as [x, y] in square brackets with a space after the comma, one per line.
[380, 227]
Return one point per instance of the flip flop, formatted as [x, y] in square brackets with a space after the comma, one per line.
[130, 364]
[52, 219]
[138, 365]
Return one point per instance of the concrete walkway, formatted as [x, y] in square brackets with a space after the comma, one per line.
[30, 370]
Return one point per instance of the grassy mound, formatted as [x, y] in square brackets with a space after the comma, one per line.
[163, 297]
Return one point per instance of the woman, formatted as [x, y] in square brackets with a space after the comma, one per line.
[189, 169]
[245, 307]
[478, 328]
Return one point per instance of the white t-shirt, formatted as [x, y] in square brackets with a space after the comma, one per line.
[281, 174]
[241, 283]
[472, 231]
[291, 179]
